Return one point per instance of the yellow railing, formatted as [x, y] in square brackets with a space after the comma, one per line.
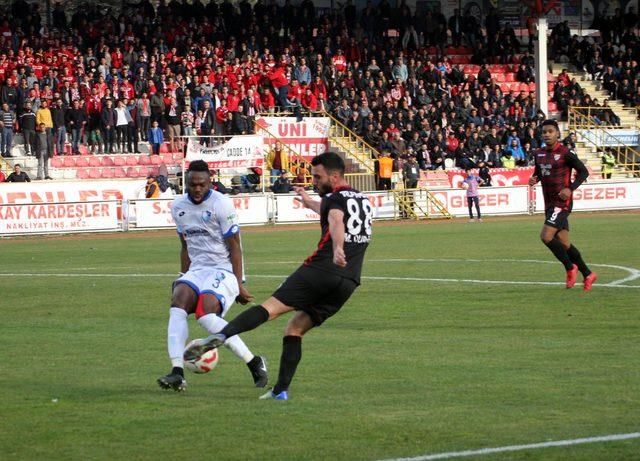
[292, 154]
[417, 204]
[585, 117]
[5, 167]
[601, 136]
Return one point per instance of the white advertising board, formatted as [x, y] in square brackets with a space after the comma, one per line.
[493, 200]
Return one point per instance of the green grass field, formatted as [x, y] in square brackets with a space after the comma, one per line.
[409, 366]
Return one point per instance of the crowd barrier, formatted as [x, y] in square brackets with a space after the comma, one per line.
[47, 208]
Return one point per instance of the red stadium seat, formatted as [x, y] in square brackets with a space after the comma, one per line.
[553, 107]
[82, 162]
[107, 173]
[94, 161]
[56, 162]
[132, 161]
[69, 162]
[144, 160]
[81, 173]
[94, 173]
[167, 157]
[532, 87]
[156, 160]
[178, 157]
[164, 147]
[499, 78]
[133, 173]
[107, 161]
[119, 173]
[509, 77]
[83, 149]
[119, 160]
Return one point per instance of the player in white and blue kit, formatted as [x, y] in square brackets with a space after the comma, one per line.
[212, 272]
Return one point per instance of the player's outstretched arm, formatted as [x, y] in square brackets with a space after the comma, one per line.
[306, 200]
[235, 254]
[185, 261]
[336, 229]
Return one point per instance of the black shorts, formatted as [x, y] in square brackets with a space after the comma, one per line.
[319, 294]
[557, 217]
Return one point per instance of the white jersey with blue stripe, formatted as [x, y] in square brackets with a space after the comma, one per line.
[205, 226]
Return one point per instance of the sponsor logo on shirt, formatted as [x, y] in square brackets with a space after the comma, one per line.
[206, 216]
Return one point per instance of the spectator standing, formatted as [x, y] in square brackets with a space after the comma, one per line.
[282, 185]
[277, 161]
[172, 115]
[411, 172]
[471, 183]
[42, 152]
[608, 163]
[122, 126]
[58, 115]
[485, 175]
[8, 120]
[43, 115]
[155, 137]
[18, 175]
[108, 121]
[384, 171]
[77, 120]
[144, 115]
[27, 124]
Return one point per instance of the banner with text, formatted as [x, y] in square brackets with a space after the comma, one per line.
[234, 152]
[611, 137]
[51, 218]
[150, 213]
[600, 196]
[493, 200]
[308, 137]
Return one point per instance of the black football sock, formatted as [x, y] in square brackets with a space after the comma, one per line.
[291, 355]
[558, 249]
[576, 258]
[248, 320]
[178, 371]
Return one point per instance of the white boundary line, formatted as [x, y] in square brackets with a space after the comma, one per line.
[633, 273]
[531, 446]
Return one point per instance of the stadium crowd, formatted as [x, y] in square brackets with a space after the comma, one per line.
[150, 75]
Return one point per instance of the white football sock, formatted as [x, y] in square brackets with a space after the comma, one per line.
[177, 334]
[214, 324]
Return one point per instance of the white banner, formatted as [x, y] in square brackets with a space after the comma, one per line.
[493, 200]
[600, 196]
[50, 218]
[70, 191]
[235, 152]
[150, 213]
[309, 137]
[290, 210]
[611, 137]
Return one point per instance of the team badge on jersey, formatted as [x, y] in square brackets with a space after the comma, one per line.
[556, 157]
[206, 216]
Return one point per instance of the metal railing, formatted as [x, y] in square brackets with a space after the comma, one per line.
[601, 137]
[418, 203]
[586, 117]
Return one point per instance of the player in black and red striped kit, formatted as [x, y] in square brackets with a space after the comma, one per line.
[555, 164]
[326, 279]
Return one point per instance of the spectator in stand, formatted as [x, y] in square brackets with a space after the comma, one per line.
[410, 172]
[152, 188]
[109, 119]
[155, 137]
[43, 116]
[282, 185]
[144, 115]
[42, 151]
[7, 123]
[608, 163]
[18, 175]
[516, 151]
[507, 160]
[172, 116]
[485, 174]
[277, 161]
[27, 124]
[76, 119]
[384, 170]
[58, 112]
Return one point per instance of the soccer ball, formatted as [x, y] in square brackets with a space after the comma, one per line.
[203, 364]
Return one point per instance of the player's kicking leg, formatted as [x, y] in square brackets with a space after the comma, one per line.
[208, 314]
[548, 235]
[183, 302]
[589, 277]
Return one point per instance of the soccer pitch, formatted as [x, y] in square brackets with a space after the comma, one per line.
[461, 337]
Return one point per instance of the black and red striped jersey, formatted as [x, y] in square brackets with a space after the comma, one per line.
[554, 168]
[358, 215]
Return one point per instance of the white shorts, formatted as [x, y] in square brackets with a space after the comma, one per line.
[219, 282]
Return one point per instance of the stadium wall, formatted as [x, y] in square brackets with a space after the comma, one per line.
[59, 207]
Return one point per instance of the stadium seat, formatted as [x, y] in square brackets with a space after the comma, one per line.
[524, 87]
[553, 107]
[94, 173]
[156, 160]
[56, 162]
[509, 77]
[532, 87]
[107, 161]
[107, 173]
[83, 149]
[164, 147]
[82, 162]
[499, 78]
[167, 157]
[119, 173]
[119, 160]
[132, 161]
[82, 173]
[94, 161]
[69, 162]
[144, 160]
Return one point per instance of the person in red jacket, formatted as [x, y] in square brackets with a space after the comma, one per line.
[268, 101]
[339, 61]
[280, 84]
[221, 113]
[309, 100]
